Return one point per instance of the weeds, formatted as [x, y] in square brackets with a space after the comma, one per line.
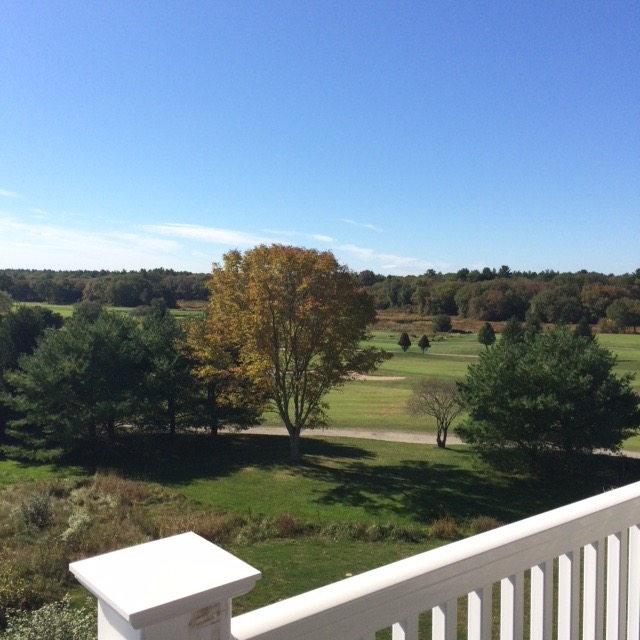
[35, 509]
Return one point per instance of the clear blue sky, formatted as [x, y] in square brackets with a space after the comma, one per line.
[401, 135]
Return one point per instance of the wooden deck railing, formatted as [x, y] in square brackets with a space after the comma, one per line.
[578, 566]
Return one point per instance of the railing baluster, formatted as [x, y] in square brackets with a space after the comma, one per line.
[444, 621]
[512, 607]
[541, 600]
[633, 592]
[479, 614]
[616, 585]
[593, 599]
[569, 594]
[406, 629]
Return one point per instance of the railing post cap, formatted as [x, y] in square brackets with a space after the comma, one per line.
[156, 581]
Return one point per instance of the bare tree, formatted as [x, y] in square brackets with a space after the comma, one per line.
[437, 398]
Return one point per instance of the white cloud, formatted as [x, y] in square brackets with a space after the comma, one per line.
[40, 213]
[389, 263]
[297, 234]
[9, 194]
[45, 246]
[207, 234]
[362, 225]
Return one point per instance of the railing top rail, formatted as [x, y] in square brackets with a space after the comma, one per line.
[430, 578]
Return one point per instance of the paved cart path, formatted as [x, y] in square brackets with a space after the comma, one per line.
[376, 434]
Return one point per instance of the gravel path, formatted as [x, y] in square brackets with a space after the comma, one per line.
[375, 434]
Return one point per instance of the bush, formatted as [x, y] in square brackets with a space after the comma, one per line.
[442, 324]
[480, 524]
[445, 528]
[55, 621]
[35, 510]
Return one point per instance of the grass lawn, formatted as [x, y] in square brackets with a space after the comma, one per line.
[342, 487]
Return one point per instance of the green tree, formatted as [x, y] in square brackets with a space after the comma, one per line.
[486, 335]
[80, 378]
[6, 302]
[169, 390]
[549, 394]
[583, 328]
[405, 341]
[424, 343]
[442, 323]
[298, 320]
[20, 330]
[623, 313]
[439, 399]
[513, 331]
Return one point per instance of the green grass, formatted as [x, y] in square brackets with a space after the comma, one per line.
[350, 483]
[382, 404]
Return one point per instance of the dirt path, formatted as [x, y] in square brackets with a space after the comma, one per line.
[375, 434]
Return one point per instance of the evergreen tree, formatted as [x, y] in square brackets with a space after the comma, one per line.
[424, 343]
[405, 341]
[486, 335]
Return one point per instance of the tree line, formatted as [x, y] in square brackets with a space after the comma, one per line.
[116, 288]
[488, 295]
[497, 295]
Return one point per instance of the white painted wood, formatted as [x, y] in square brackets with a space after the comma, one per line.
[541, 601]
[512, 607]
[479, 613]
[569, 594]
[593, 591]
[633, 590]
[405, 629]
[617, 549]
[178, 587]
[444, 621]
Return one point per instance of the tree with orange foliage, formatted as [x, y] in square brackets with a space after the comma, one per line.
[297, 319]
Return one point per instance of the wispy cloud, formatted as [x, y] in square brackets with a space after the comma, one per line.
[297, 234]
[41, 214]
[390, 263]
[40, 246]
[362, 225]
[213, 235]
[5, 193]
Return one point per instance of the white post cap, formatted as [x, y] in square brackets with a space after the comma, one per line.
[156, 581]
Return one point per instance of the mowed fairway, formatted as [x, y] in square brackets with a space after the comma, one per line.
[381, 403]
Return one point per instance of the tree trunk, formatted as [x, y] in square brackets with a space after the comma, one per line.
[111, 429]
[294, 441]
[171, 410]
[212, 408]
[441, 438]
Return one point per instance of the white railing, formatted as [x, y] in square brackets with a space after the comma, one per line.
[578, 565]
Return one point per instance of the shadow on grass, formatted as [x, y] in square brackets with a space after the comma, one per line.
[187, 457]
[448, 482]
[424, 490]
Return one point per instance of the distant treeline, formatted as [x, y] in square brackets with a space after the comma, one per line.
[117, 288]
[490, 294]
[497, 295]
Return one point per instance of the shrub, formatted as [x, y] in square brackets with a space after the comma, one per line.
[35, 510]
[445, 528]
[55, 621]
[442, 323]
[480, 524]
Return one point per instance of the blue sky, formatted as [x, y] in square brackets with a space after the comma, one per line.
[403, 136]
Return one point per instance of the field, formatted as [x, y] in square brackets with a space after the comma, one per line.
[371, 404]
[351, 505]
